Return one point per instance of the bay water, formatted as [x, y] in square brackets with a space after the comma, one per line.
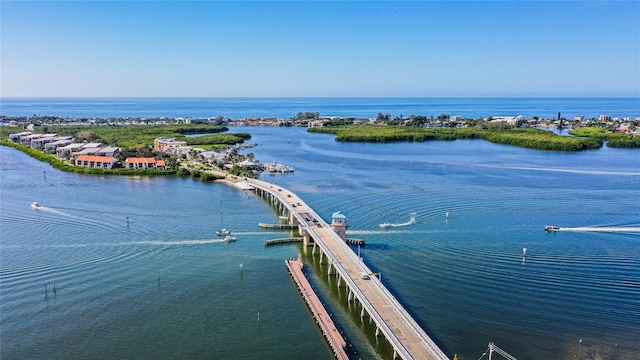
[130, 267]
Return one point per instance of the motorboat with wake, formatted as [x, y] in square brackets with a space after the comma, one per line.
[35, 205]
[229, 238]
[551, 228]
[412, 220]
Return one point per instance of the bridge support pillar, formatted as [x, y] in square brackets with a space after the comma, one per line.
[377, 331]
[314, 248]
[362, 313]
[307, 240]
[329, 272]
[350, 296]
[395, 353]
[320, 257]
[339, 280]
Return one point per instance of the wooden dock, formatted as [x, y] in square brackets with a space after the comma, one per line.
[283, 241]
[277, 226]
[331, 333]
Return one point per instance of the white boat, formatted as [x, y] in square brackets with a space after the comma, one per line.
[35, 205]
[412, 220]
[223, 232]
[229, 238]
[551, 228]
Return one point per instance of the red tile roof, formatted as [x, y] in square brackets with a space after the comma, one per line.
[141, 160]
[101, 159]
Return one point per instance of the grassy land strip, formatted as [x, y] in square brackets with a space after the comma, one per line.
[614, 139]
[528, 138]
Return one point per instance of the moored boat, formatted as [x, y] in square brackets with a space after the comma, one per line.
[223, 232]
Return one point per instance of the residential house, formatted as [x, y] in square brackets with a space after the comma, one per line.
[26, 140]
[60, 141]
[108, 151]
[18, 136]
[68, 149]
[40, 141]
[91, 161]
[88, 149]
[144, 164]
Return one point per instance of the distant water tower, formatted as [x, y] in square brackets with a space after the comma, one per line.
[339, 224]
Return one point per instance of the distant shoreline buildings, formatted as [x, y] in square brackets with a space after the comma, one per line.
[444, 120]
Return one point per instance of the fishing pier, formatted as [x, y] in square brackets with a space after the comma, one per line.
[336, 341]
[408, 339]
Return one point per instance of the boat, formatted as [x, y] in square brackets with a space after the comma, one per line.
[412, 220]
[35, 205]
[273, 167]
[229, 238]
[223, 232]
[551, 228]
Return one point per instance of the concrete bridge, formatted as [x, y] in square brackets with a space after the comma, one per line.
[408, 339]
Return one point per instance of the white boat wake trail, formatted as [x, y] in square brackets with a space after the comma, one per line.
[602, 229]
[412, 220]
[52, 210]
[126, 244]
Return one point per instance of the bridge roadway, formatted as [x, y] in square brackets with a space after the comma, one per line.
[408, 339]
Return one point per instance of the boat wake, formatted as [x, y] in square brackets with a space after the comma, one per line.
[52, 210]
[621, 229]
[412, 220]
[128, 244]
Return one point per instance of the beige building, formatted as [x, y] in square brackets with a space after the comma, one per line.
[160, 144]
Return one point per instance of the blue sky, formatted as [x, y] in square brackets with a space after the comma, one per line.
[320, 48]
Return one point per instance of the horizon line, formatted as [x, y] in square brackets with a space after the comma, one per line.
[327, 97]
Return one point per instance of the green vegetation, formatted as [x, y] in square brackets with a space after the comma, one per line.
[132, 136]
[589, 132]
[243, 171]
[218, 139]
[529, 138]
[623, 141]
[614, 139]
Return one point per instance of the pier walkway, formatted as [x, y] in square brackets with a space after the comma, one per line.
[407, 338]
[336, 341]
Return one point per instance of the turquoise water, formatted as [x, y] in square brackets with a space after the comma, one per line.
[326, 106]
[165, 287]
